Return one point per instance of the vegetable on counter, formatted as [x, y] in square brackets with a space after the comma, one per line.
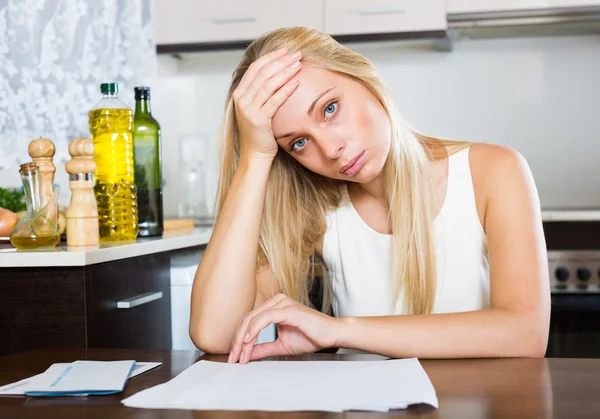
[8, 221]
[12, 199]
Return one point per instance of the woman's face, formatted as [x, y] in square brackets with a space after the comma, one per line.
[334, 126]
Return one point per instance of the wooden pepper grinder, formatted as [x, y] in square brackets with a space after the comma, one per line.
[82, 214]
[42, 151]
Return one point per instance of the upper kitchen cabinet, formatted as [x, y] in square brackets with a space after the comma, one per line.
[473, 6]
[573, 3]
[197, 22]
[355, 17]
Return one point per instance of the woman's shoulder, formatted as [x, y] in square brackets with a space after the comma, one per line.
[492, 152]
[490, 161]
[495, 170]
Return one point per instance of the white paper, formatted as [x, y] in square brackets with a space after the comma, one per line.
[142, 367]
[333, 386]
[20, 387]
[85, 377]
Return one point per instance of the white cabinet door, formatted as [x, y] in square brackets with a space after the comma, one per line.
[189, 21]
[343, 17]
[467, 6]
[197, 21]
[286, 13]
[573, 3]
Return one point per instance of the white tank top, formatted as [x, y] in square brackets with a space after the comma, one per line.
[358, 258]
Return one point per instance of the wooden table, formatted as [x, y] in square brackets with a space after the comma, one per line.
[494, 388]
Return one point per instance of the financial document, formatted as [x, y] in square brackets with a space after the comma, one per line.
[333, 386]
[28, 384]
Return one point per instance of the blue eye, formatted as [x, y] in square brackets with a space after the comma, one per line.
[300, 143]
[331, 109]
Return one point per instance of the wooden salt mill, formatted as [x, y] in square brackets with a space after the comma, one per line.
[82, 214]
[42, 151]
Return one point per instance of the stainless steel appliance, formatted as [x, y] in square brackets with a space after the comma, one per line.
[575, 318]
[574, 271]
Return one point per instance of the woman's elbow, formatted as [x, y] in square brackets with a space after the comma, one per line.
[534, 349]
[534, 340]
[209, 341]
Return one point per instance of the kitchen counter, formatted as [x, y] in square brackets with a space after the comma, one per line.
[113, 295]
[64, 255]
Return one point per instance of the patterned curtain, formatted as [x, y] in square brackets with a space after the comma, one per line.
[53, 56]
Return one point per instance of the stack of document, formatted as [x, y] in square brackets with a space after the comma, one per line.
[333, 386]
[79, 378]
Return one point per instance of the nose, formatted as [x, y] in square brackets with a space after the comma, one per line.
[333, 147]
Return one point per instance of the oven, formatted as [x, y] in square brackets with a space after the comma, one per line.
[574, 264]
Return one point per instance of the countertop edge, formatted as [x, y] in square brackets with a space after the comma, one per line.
[11, 258]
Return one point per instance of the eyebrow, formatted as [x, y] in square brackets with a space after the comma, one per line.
[309, 112]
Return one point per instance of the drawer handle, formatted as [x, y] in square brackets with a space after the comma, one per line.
[138, 300]
[233, 19]
[380, 11]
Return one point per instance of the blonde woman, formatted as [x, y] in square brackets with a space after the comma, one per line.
[433, 248]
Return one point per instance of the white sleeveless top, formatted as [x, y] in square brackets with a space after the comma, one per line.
[359, 265]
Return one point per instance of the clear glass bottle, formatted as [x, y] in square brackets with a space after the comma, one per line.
[191, 179]
[111, 126]
[39, 227]
[148, 165]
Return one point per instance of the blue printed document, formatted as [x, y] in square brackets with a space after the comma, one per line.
[21, 387]
[82, 378]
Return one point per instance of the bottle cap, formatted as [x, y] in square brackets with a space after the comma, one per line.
[106, 88]
[141, 92]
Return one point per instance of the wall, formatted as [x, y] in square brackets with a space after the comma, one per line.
[54, 55]
[538, 95]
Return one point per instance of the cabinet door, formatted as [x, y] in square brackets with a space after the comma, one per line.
[129, 303]
[573, 3]
[281, 14]
[348, 17]
[189, 21]
[467, 6]
[42, 307]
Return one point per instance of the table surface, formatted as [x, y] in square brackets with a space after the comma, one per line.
[472, 388]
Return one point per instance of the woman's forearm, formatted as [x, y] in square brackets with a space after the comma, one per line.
[478, 334]
[225, 283]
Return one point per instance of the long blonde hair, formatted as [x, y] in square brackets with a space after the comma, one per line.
[297, 200]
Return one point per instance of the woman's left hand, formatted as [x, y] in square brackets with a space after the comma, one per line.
[300, 330]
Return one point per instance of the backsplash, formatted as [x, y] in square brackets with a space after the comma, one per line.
[538, 95]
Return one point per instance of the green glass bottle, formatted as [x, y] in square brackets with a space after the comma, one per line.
[147, 166]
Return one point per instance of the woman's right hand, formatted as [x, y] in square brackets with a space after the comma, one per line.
[265, 86]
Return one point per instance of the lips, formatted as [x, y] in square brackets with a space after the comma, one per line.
[351, 162]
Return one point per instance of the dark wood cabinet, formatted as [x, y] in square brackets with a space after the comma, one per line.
[78, 306]
[41, 307]
[144, 282]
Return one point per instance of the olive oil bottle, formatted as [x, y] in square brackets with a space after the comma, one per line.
[111, 127]
[147, 159]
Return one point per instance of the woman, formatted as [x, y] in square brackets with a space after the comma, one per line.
[433, 248]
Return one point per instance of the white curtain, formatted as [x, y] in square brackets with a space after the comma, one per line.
[53, 56]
